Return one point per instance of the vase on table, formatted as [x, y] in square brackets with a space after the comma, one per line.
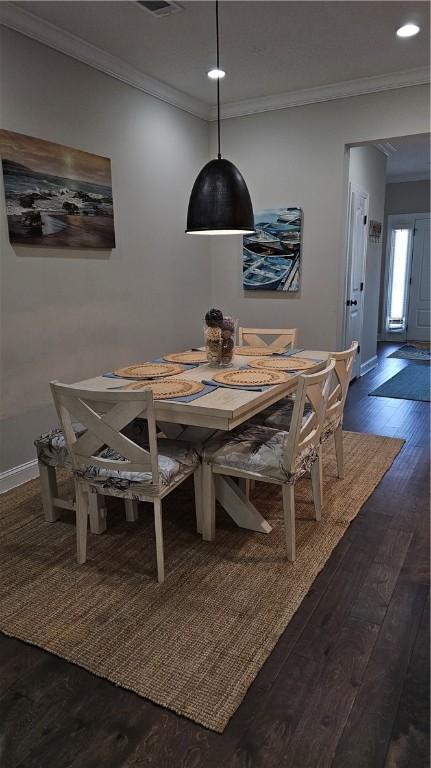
[219, 335]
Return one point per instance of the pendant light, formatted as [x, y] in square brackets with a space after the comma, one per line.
[220, 202]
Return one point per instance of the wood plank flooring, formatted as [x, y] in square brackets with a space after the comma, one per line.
[346, 685]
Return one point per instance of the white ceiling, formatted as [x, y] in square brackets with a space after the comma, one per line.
[267, 47]
[410, 158]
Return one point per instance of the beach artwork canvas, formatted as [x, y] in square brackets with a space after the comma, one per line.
[55, 195]
[272, 254]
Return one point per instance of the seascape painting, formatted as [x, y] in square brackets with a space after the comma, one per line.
[272, 254]
[55, 195]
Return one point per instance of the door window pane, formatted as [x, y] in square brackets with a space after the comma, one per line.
[397, 299]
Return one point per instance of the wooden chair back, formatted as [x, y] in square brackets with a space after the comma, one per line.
[252, 337]
[341, 379]
[104, 415]
[305, 431]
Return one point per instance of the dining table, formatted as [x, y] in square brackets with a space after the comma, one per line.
[222, 408]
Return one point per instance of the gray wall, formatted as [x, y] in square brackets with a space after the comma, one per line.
[69, 314]
[367, 170]
[297, 157]
[401, 197]
[407, 197]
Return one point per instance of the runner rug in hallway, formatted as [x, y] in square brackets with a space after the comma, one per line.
[196, 643]
[414, 351]
[412, 383]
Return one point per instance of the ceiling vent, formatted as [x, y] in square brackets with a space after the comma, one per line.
[159, 7]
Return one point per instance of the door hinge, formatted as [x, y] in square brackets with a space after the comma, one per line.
[365, 219]
[362, 287]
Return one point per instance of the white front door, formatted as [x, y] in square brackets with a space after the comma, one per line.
[418, 324]
[356, 254]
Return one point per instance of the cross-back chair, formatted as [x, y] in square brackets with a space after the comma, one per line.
[254, 337]
[107, 462]
[260, 453]
[333, 424]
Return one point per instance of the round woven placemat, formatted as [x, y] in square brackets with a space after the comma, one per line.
[285, 363]
[254, 351]
[250, 378]
[171, 388]
[149, 370]
[187, 357]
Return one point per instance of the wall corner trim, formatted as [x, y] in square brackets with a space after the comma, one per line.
[368, 365]
[341, 90]
[16, 476]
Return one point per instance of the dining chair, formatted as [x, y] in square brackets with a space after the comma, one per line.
[280, 416]
[333, 424]
[52, 455]
[252, 337]
[105, 461]
[268, 455]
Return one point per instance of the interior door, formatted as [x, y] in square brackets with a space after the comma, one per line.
[419, 316]
[356, 253]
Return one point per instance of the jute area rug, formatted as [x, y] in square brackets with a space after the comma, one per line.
[196, 643]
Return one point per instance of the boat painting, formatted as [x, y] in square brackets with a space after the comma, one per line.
[272, 253]
[55, 195]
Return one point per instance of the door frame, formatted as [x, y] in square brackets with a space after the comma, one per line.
[355, 188]
[404, 220]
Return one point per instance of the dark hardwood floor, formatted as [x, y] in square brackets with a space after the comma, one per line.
[346, 685]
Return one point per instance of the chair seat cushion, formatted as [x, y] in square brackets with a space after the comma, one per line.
[176, 461]
[329, 427]
[259, 451]
[51, 447]
[279, 414]
[52, 450]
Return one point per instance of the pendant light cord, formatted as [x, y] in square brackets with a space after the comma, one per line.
[218, 84]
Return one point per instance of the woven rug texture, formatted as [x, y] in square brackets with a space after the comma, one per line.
[196, 643]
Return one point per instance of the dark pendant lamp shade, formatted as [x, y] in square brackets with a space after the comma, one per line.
[220, 202]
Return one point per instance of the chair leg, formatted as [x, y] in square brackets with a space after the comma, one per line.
[208, 503]
[97, 512]
[289, 520]
[246, 485]
[321, 473]
[159, 540]
[197, 477]
[48, 487]
[338, 438]
[131, 506]
[81, 523]
[316, 480]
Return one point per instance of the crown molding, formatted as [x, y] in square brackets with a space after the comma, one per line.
[386, 148]
[399, 178]
[342, 90]
[49, 34]
[54, 37]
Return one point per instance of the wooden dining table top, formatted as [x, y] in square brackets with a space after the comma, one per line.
[223, 408]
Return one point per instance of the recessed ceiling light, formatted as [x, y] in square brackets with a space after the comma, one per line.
[408, 30]
[216, 74]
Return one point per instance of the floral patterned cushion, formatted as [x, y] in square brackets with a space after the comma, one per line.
[279, 414]
[51, 447]
[258, 450]
[52, 450]
[329, 427]
[176, 460]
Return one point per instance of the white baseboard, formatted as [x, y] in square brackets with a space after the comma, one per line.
[368, 365]
[18, 475]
